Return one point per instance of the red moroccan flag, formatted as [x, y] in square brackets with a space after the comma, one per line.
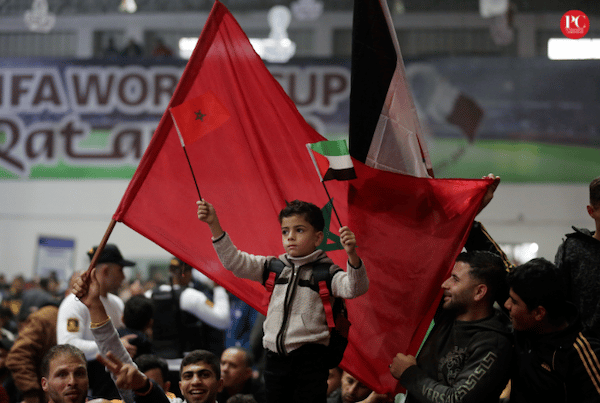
[409, 230]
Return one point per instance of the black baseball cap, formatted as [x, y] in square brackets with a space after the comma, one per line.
[110, 254]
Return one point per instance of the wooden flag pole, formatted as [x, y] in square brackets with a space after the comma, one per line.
[332, 205]
[100, 248]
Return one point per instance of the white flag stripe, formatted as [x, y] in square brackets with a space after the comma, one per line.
[397, 145]
[340, 162]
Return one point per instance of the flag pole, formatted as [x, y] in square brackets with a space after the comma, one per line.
[100, 247]
[332, 205]
[185, 152]
[192, 171]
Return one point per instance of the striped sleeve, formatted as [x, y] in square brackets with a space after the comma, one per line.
[589, 360]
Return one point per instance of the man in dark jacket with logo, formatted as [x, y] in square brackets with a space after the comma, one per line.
[466, 358]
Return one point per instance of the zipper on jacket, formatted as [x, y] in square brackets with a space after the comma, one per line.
[289, 298]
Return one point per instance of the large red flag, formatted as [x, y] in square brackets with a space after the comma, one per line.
[409, 230]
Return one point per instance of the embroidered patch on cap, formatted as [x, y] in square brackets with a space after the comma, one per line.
[72, 325]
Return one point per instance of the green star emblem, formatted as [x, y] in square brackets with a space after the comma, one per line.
[200, 116]
[331, 241]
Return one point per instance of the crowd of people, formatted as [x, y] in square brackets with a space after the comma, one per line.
[502, 333]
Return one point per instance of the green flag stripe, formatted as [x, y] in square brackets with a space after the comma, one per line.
[331, 148]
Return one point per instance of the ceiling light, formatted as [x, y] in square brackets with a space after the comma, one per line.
[573, 49]
[128, 6]
[38, 19]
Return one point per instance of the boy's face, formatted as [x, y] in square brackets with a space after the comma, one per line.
[299, 237]
[520, 315]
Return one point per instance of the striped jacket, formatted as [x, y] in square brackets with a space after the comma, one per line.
[557, 367]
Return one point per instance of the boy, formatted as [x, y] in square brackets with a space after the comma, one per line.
[295, 330]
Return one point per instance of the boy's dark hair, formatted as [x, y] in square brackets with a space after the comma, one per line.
[138, 312]
[595, 193]
[308, 211]
[540, 283]
[146, 362]
[202, 356]
[488, 268]
[56, 351]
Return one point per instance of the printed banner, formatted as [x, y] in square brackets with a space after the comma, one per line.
[78, 119]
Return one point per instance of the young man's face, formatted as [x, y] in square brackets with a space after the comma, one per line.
[299, 237]
[520, 315]
[67, 380]
[459, 289]
[233, 368]
[353, 390]
[199, 383]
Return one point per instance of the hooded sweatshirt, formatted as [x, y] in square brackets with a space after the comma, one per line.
[461, 361]
[578, 257]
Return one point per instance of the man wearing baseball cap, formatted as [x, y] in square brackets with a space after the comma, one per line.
[74, 326]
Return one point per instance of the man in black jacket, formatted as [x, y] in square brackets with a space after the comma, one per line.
[578, 258]
[467, 356]
[555, 360]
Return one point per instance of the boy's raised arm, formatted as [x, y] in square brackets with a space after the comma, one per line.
[207, 213]
[349, 242]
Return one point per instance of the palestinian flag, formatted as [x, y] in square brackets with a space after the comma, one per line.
[332, 160]
[384, 128]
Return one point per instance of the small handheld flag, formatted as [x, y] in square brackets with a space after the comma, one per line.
[332, 160]
[195, 118]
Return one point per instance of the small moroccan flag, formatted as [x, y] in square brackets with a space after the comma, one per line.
[198, 116]
[332, 160]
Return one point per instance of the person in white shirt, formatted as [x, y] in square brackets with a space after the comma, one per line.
[73, 322]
